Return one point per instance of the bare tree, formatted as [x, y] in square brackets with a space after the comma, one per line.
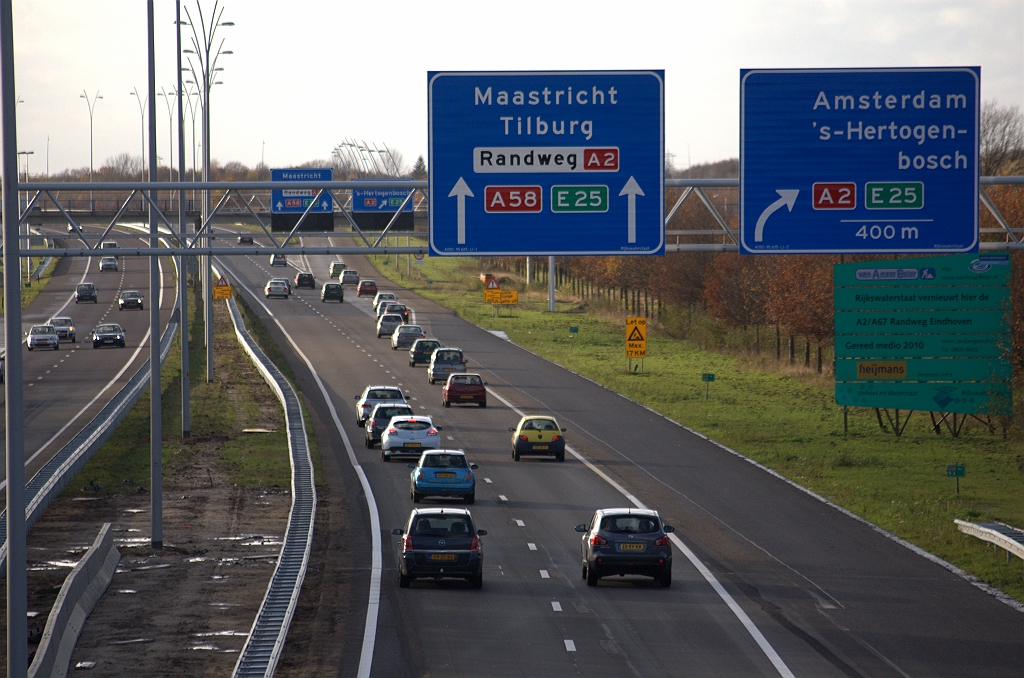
[1002, 139]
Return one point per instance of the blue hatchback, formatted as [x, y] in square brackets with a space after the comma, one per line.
[442, 473]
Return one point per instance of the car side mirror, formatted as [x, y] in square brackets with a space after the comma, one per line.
[581, 528]
[398, 532]
[669, 528]
[356, 398]
[473, 466]
[439, 428]
[512, 430]
[563, 430]
[411, 465]
[481, 533]
[485, 383]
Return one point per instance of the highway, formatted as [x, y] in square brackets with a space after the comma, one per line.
[767, 579]
[65, 389]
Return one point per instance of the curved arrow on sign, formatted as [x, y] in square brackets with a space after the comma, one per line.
[788, 199]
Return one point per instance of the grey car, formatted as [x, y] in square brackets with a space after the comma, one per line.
[439, 543]
[43, 336]
[374, 395]
[65, 328]
[387, 324]
[621, 541]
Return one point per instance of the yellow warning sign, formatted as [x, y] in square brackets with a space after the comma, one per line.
[222, 290]
[502, 297]
[492, 296]
[636, 337]
[492, 284]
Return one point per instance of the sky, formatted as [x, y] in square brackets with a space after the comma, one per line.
[306, 75]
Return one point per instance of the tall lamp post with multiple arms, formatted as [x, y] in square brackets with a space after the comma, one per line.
[204, 74]
[142, 116]
[92, 109]
[173, 149]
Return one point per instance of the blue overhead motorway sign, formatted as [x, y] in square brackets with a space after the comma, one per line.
[380, 200]
[295, 201]
[859, 160]
[546, 163]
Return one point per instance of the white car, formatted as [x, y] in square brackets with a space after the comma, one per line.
[43, 336]
[383, 296]
[405, 336]
[388, 323]
[374, 395]
[406, 435]
[284, 281]
[349, 276]
[275, 289]
[278, 260]
[108, 264]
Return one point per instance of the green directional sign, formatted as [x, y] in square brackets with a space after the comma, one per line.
[579, 198]
[894, 195]
[924, 334]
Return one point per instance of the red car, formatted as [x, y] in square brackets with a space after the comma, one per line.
[366, 288]
[464, 388]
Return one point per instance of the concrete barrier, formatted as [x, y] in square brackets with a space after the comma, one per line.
[80, 593]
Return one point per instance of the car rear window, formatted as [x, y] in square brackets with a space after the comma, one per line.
[87, 287]
[427, 346]
[412, 425]
[385, 394]
[467, 380]
[441, 526]
[391, 318]
[410, 329]
[448, 357]
[629, 524]
[444, 461]
[539, 425]
[388, 412]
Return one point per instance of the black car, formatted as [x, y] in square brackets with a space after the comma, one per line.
[305, 280]
[245, 240]
[129, 299]
[626, 541]
[398, 309]
[381, 416]
[440, 543]
[85, 292]
[108, 335]
[421, 351]
[332, 291]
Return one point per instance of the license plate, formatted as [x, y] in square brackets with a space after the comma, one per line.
[467, 397]
[413, 445]
[442, 556]
[108, 341]
[631, 547]
[444, 475]
[540, 447]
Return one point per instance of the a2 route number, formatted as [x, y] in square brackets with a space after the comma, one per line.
[515, 199]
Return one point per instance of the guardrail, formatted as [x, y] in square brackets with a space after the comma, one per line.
[1001, 535]
[79, 594]
[263, 647]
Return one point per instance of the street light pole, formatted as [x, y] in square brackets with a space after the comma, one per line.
[142, 119]
[186, 398]
[24, 265]
[201, 49]
[92, 108]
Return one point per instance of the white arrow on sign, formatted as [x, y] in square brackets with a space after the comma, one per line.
[461, 191]
[788, 199]
[632, 190]
[323, 205]
[279, 205]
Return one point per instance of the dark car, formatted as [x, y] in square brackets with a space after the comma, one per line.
[332, 291]
[245, 240]
[366, 288]
[464, 389]
[129, 299]
[399, 309]
[381, 415]
[108, 335]
[85, 292]
[626, 541]
[440, 543]
[305, 280]
[421, 351]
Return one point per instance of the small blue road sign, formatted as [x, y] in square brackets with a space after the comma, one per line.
[859, 160]
[547, 163]
[295, 201]
[381, 200]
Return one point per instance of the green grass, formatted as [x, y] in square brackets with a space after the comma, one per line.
[783, 417]
[219, 412]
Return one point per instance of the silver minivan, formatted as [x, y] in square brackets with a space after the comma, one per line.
[443, 362]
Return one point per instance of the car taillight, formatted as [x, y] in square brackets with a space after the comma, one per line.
[419, 476]
[469, 475]
[661, 541]
[367, 407]
[475, 544]
[598, 540]
[407, 543]
[523, 438]
[391, 430]
[556, 438]
[432, 432]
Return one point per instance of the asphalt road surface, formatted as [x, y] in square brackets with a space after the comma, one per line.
[65, 389]
[776, 582]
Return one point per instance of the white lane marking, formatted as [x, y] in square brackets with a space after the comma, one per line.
[749, 625]
[544, 574]
[449, 437]
[556, 606]
[488, 481]
[531, 546]
[520, 523]
[373, 605]
[569, 645]
[502, 497]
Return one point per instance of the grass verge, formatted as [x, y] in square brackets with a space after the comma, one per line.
[785, 418]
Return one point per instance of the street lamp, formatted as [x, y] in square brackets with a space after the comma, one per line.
[92, 108]
[169, 100]
[204, 76]
[23, 198]
[142, 116]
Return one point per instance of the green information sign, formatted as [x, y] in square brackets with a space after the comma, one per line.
[956, 471]
[579, 198]
[894, 195]
[924, 334]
